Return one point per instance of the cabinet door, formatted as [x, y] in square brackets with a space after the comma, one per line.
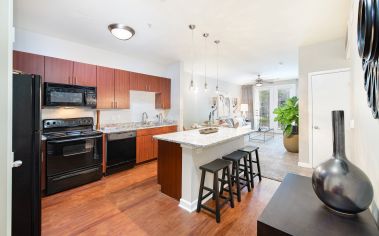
[163, 98]
[137, 82]
[58, 70]
[84, 74]
[29, 63]
[105, 87]
[167, 94]
[153, 83]
[122, 89]
[145, 148]
[155, 148]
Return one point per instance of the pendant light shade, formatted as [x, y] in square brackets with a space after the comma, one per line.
[192, 83]
[205, 35]
[217, 42]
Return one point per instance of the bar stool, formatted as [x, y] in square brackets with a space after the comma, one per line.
[236, 157]
[249, 150]
[214, 167]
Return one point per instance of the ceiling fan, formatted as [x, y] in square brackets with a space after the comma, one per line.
[259, 81]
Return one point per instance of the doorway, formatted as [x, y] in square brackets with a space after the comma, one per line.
[327, 91]
[266, 99]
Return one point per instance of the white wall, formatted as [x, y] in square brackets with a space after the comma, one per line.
[6, 38]
[319, 57]
[140, 101]
[366, 131]
[198, 105]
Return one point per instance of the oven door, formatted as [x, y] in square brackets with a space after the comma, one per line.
[68, 155]
[64, 95]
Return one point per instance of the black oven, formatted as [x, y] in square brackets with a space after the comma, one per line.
[73, 162]
[69, 95]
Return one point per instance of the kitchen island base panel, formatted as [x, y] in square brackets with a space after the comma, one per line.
[192, 159]
[170, 168]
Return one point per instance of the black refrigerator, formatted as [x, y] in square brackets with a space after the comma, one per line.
[26, 145]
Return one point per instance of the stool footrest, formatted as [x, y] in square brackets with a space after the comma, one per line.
[206, 195]
[208, 189]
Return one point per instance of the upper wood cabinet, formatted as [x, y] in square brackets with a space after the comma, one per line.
[163, 98]
[29, 63]
[84, 74]
[137, 82]
[105, 87]
[58, 70]
[142, 82]
[122, 89]
[113, 86]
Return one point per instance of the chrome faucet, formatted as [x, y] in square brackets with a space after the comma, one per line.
[160, 118]
[144, 118]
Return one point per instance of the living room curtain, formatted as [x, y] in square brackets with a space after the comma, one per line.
[247, 98]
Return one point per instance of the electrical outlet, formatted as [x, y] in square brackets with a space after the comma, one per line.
[351, 124]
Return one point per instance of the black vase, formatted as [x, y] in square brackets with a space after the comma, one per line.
[338, 183]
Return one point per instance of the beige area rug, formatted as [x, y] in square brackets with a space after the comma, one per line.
[276, 162]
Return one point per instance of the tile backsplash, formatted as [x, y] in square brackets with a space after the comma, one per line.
[139, 102]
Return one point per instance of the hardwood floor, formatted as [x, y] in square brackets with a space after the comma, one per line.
[130, 203]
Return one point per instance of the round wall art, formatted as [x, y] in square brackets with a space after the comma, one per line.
[368, 48]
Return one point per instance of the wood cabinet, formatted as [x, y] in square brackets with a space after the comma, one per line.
[29, 63]
[112, 88]
[142, 82]
[137, 82]
[147, 146]
[58, 70]
[163, 98]
[84, 74]
[105, 87]
[122, 89]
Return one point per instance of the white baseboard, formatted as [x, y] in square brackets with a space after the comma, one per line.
[304, 164]
[188, 206]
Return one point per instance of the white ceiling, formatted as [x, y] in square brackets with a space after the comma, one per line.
[255, 34]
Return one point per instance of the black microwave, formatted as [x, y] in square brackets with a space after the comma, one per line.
[69, 95]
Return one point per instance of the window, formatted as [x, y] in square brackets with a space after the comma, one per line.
[266, 99]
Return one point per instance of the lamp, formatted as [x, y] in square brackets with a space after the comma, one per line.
[244, 108]
[192, 86]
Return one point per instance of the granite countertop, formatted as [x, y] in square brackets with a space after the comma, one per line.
[133, 126]
[197, 140]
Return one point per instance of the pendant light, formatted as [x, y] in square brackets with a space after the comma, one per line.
[217, 58]
[192, 83]
[205, 35]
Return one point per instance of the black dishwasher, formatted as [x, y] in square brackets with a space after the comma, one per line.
[121, 151]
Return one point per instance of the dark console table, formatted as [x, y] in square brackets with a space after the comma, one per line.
[295, 210]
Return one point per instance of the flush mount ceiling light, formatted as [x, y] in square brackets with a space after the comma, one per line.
[121, 31]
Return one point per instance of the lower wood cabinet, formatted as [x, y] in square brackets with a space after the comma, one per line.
[147, 146]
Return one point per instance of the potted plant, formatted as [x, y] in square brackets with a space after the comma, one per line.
[288, 117]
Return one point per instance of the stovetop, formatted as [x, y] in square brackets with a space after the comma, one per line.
[69, 128]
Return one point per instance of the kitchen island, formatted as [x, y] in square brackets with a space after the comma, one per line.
[181, 153]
